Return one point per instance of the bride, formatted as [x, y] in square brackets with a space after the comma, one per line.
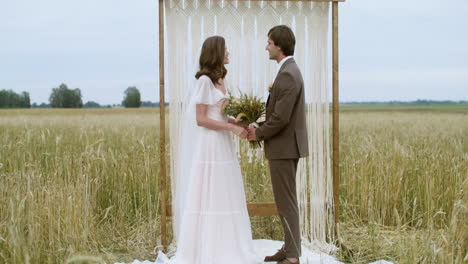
[212, 224]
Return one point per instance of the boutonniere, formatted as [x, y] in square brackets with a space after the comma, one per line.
[270, 87]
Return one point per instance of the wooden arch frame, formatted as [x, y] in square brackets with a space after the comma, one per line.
[257, 209]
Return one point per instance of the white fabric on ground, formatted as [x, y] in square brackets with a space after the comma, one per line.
[262, 248]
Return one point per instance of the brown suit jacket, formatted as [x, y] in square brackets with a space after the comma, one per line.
[284, 131]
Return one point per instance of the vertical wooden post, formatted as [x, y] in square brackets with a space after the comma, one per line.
[162, 128]
[336, 131]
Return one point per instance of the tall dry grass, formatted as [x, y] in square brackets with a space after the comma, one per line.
[85, 182]
[404, 184]
[77, 182]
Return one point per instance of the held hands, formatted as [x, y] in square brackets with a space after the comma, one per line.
[245, 132]
[239, 131]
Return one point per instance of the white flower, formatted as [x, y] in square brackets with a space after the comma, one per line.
[250, 155]
[261, 119]
[254, 124]
[258, 153]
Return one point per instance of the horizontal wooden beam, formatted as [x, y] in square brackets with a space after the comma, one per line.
[255, 209]
[262, 209]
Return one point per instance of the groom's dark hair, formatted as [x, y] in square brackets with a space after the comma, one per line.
[283, 37]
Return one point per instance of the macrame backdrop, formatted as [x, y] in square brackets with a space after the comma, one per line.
[244, 25]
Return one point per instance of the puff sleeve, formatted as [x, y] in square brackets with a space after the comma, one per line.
[205, 91]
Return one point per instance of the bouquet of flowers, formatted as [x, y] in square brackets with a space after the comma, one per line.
[246, 110]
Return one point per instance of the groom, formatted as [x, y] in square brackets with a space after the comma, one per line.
[285, 136]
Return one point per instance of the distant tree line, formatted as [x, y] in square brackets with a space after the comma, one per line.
[152, 104]
[63, 97]
[10, 99]
[92, 104]
[417, 102]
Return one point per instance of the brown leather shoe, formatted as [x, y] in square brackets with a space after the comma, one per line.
[279, 256]
[286, 261]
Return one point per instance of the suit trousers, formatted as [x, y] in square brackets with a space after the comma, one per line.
[283, 179]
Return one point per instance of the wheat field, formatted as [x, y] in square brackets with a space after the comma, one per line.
[81, 186]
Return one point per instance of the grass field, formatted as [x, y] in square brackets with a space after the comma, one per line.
[85, 183]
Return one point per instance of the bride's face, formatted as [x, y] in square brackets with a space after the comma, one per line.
[226, 56]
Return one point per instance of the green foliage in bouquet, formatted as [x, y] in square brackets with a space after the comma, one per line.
[245, 109]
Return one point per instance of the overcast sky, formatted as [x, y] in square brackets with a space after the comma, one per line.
[389, 49]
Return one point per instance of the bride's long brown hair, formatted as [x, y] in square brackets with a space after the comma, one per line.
[212, 59]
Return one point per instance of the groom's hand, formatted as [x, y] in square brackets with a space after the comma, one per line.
[252, 136]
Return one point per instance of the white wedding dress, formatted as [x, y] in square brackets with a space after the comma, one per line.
[214, 223]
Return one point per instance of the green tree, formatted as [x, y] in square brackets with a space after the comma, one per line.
[132, 97]
[10, 99]
[25, 100]
[92, 104]
[62, 97]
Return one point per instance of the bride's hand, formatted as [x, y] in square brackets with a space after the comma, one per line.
[234, 122]
[239, 131]
[243, 125]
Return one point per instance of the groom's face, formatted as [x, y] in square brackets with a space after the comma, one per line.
[273, 50]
